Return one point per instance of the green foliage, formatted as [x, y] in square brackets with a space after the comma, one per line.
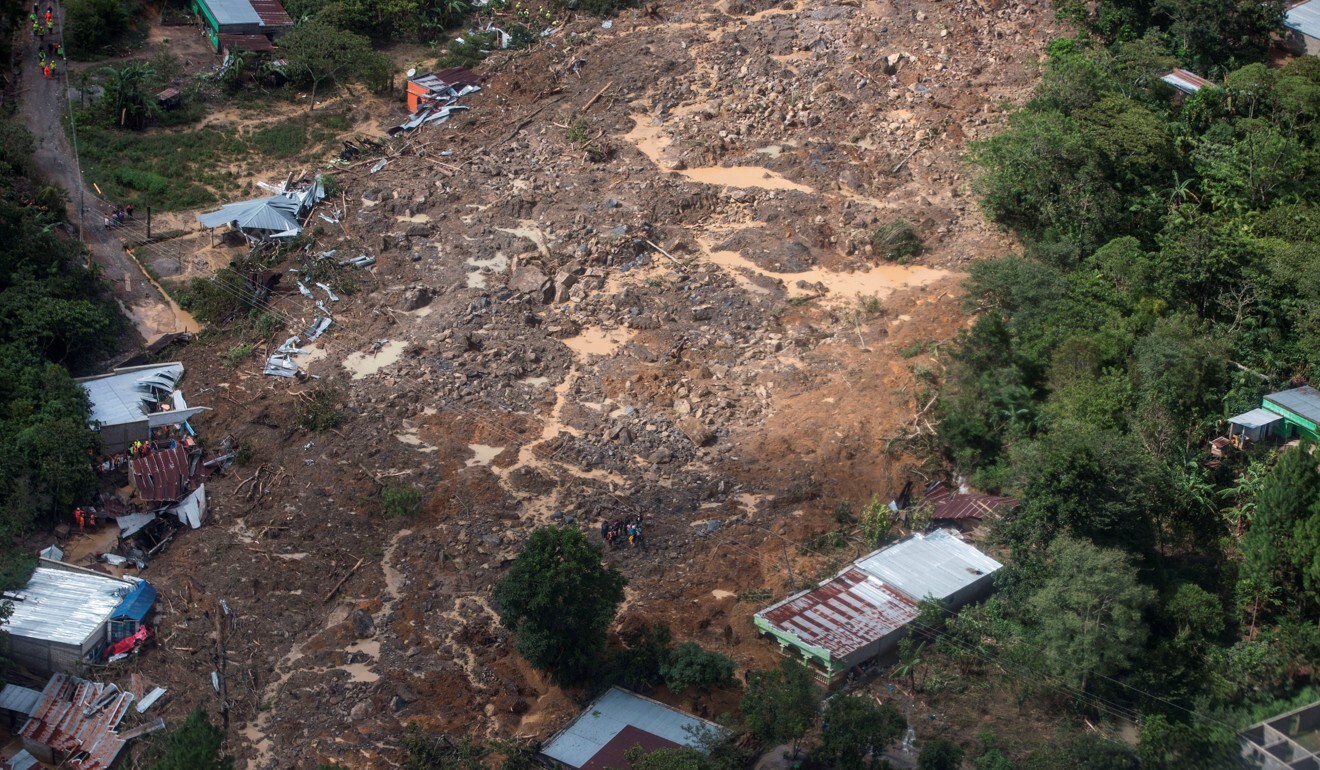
[92, 25]
[129, 100]
[560, 600]
[781, 704]
[637, 665]
[468, 50]
[239, 353]
[600, 7]
[398, 501]
[876, 520]
[195, 744]
[438, 752]
[1089, 613]
[319, 54]
[319, 410]
[854, 728]
[940, 754]
[897, 241]
[1166, 745]
[688, 665]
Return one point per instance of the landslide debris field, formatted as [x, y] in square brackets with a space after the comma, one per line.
[665, 304]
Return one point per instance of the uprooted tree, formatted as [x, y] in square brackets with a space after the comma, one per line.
[560, 600]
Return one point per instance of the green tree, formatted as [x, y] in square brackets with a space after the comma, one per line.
[853, 728]
[1089, 613]
[691, 666]
[781, 704]
[128, 95]
[940, 754]
[1199, 745]
[195, 744]
[1282, 507]
[320, 53]
[560, 600]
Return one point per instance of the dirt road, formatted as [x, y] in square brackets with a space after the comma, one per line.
[43, 109]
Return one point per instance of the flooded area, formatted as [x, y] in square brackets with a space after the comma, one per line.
[881, 281]
[596, 341]
[482, 268]
[361, 364]
[482, 454]
[654, 142]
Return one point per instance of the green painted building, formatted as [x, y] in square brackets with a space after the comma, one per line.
[1300, 410]
[247, 24]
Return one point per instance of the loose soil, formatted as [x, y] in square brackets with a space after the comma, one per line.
[692, 326]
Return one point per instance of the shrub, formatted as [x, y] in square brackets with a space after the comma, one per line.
[691, 666]
[897, 241]
[239, 353]
[940, 754]
[877, 519]
[398, 501]
[320, 410]
[467, 51]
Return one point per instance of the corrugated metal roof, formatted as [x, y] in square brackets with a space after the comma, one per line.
[1303, 401]
[1256, 418]
[138, 603]
[59, 721]
[233, 12]
[844, 615]
[591, 732]
[1304, 18]
[1187, 82]
[272, 13]
[20, 699]
[125, 395]
[254, 43]
[65, 606]
[162, 475]
[938, 564]
[950, 505]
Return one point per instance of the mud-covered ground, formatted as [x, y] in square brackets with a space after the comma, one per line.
[665, 304]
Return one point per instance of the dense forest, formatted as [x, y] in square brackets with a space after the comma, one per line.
[56, 320]
[1167, 280]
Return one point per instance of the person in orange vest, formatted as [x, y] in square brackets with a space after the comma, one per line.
[80, 518]
[46, 70]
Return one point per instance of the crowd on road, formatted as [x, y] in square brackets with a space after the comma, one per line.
[49, 52]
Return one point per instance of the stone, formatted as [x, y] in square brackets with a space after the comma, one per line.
[363, 624]
[530, 280]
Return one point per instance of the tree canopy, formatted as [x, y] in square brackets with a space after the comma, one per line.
[560, 600]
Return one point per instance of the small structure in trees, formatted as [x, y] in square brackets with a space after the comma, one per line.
[1302, 28]
[1285, 742]
[243, 24]
[619, 720]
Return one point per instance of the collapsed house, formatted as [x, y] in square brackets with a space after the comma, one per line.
[864, 610]
[128, 403]
[74, 724]
[433, 97]
[281, 215]
[66, 616]
[619, 720]
[951, 507]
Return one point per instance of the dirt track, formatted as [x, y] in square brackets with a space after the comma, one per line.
[680, 328]
[45, 114]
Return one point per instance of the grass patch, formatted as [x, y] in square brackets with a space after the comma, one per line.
[897, 241]
[239, 353]
[399, 500]
[320, 411]
[172, 170]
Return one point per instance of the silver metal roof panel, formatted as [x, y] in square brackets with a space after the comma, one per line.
[228, 12]
[1303, 401]
[937, 564]
[586, 735]
[1304, 18]
[1256, 418]
[65, 606]
[20, 699]
[120, 397]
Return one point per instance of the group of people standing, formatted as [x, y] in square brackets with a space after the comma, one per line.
[623, 530]
[48, 52]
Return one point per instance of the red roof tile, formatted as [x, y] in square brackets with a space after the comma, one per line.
[611, 755]
[845, 614]
[948, 505]
[272, 13]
